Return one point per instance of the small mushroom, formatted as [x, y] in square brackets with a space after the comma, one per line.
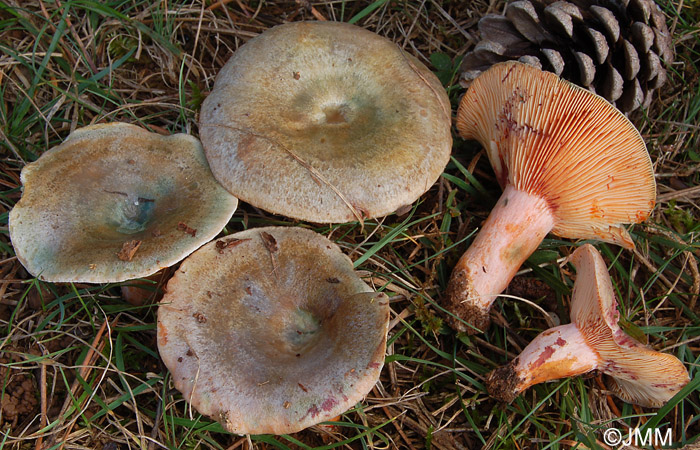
[569, 163]
[326, 122]
[592, 341]
[104, 206]
[270, 330]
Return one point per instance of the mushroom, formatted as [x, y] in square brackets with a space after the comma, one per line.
[326, 122]
[270, 330]
[115, 202]
[593, 340]
[569, 163]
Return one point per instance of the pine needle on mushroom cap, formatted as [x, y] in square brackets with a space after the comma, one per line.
[326, 122]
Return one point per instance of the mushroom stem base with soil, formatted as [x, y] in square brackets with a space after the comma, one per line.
[555, 353]
[512, 232]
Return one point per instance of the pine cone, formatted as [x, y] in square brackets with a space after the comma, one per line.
[615, 48]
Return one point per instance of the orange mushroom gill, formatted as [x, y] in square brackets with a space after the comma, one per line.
[569, 163]
[593, 340]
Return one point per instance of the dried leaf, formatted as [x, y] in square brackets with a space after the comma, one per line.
[129, 250]
[182, 226]
[269, 242]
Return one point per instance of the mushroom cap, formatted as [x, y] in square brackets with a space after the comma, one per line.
[106, 204]
[270, 330]
[326, 122]
[639, 375]
[551, 138]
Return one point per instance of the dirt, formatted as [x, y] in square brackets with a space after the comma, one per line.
[533, 289]
[504, 383]
[39, 297]
[182, 226]
[459, 289]
[18, 398]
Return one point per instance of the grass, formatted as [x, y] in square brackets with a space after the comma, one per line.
[90, 358]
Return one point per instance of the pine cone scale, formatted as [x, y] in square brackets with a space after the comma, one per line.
[617, 48]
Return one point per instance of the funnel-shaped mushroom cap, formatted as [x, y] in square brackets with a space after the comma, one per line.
[326, 122]
[552, 139]
[116, 202]
[271, 331]
[593, 340]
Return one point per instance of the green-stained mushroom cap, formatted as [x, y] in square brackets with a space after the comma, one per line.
[115, 202]
[270, 330]
[326, 122]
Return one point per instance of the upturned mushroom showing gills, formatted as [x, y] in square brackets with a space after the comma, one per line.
[270, 330]
[568, 162]
[326, 122]
[593, 340]
[115, 202]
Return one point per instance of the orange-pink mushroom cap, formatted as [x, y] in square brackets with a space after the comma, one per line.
[326, 122]
[115, 202]
[569, 163]
[270, 330]
[593, 340]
